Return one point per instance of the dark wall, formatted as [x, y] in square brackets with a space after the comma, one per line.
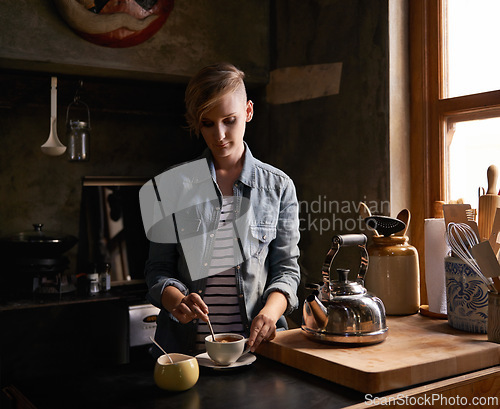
[335, 148]
[137, 128]
[135, 95]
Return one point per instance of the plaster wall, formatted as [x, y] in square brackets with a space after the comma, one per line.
[197, 32]
[335, 147]
[135, 97]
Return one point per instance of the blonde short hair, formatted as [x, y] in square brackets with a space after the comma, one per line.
[207, 87]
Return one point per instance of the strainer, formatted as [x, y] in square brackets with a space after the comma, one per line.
[385, 225]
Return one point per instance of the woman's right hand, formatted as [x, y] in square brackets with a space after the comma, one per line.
[184, 307]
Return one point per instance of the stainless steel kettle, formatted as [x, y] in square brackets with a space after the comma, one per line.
[342, 311]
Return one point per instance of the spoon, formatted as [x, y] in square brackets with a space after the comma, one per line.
[211, 329]
[364, 212]
[158, 345]
[53, 146]
[405, 216]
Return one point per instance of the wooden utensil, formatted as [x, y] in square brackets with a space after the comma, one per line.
[487, 262]
[437, 209]
[495, 233]
[488, 203]
[364, 210]
[405, 216]
[459, 213]
[364, 213]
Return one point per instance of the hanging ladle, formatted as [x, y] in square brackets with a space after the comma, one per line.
[53, 146]
[162, 350]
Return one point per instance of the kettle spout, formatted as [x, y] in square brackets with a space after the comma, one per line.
[315, 310]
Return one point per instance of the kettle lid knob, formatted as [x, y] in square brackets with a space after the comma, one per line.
[343, 275]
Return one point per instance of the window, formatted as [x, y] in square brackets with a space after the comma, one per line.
[455, 102]
[470, 39]
[471, 146]
[470, 32]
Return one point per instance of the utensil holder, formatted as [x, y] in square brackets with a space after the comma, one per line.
[466, 297]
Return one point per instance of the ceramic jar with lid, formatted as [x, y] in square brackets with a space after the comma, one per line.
[394, 274]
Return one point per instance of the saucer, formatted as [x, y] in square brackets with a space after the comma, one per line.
[244, 360]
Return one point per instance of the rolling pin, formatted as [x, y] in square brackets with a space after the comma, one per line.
[488, 204]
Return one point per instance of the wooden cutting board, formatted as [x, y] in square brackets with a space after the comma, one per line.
[417, 349]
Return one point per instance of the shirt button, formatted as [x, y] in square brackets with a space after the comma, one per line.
[264, 237]
[212, 235]
[200, 291]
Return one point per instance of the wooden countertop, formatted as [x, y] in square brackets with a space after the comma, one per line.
[418, 349]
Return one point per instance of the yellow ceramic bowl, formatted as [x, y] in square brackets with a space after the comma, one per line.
[180, 375]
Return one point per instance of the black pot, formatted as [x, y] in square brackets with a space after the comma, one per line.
[37, 244]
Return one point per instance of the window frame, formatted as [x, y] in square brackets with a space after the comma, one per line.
[429, 115]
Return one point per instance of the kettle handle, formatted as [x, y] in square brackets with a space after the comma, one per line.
[346, 240]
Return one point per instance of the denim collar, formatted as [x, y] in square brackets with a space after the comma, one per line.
[247, 175]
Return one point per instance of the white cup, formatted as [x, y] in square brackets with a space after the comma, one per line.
[227, 348]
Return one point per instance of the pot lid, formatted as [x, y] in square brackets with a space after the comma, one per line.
[37, 235]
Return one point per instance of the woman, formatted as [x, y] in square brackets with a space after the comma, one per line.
[249, 286]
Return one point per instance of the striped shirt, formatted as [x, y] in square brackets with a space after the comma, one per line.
[221, 295]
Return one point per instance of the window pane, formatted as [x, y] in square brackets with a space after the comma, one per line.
[471, 43]
[474, 146]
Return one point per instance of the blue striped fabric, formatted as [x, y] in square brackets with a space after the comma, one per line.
[220, 293]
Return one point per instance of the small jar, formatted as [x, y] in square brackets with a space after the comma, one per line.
[104, 277]
[393, 274]
[94, 283]
[78, 133]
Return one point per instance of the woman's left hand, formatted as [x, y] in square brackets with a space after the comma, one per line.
[264, 324]
[263, 329]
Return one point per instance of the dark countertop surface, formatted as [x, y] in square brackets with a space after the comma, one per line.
[44, 376]
[131, 294]
[264, 384]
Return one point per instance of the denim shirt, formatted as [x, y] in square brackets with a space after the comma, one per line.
[271, 254]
